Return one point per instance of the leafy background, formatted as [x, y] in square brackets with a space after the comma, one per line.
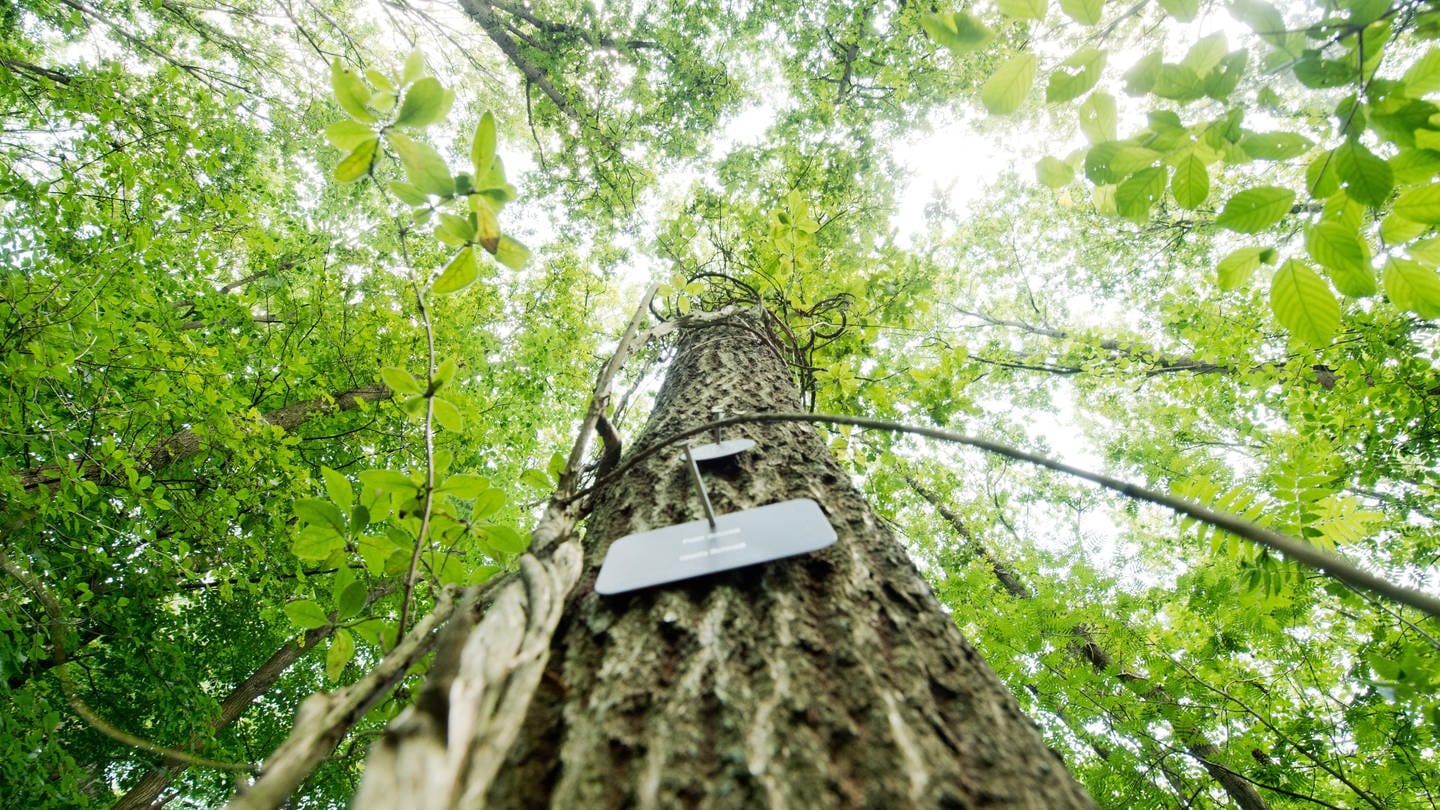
[293, 332]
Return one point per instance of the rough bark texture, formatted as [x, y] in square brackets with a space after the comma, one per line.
[829, 680]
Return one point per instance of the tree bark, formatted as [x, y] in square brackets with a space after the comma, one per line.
[829, 680]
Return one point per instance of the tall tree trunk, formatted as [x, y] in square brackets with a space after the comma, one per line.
[830, 680]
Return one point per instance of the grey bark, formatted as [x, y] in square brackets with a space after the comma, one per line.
[831, 680]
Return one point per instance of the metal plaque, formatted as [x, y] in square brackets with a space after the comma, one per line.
[688, 550]
[725, 449]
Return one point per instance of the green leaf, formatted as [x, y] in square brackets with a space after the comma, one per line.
[400, 381]
[512, 254]
[1395, 229]
[537, 479]
[482, 146]
[407, 193]
[448, 415]
[1085, 12]
[1054, 173]
[426, 102]
[444, 373]
[317, 542]
[1343, 253]
[414, 67]
[455, 230]
[1178, 83]
[507, 539]
[1423, 76]
[338, 488]
[1136, 196]
[388, 481]
[1321, 180]
[1191, 184]
[1420, 204]
[345, 135]
[1142, 77]
[1004, 91]
[1206, 53]
[356, 164]
[1182, 10]
[1413, 286]
[350, 92]
[958, 31]
[376, 550]
[465, 485]
[1262, 18]
[1275, 145]
[1235, 269]
[1253, 210]
[351, 600]
[1302, 301]
[320, 512]
[1098, 118]
[1024, 9]
[306, 614]
[459, 273]
[1075, 76]
[1366, 178]
[342, 649]
[424, 167]
[1318, 73]
[488, 503]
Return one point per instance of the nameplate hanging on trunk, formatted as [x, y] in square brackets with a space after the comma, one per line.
[694, 549]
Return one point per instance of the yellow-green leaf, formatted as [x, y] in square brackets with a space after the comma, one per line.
[1024, 9]
[307, 614]
[512, 254]
[426, 102]
[399, 380]
[342, 649]
[1303, 303]
[1423, 77]
[482, 146]
[1255, 209]
[1235, 269]
[448, 415]
[459, 273]
[1182, 10]
[1343, 254]
[1085, 12]
[1098, 117]
[1413, 286]
[424, 167]
[357, 164]
[1191, 184]
[1004, 91]
[1420, 204]
[1366, 178]
[414, 67]
[958, 31]
[350, 92]
[347, 134]
[1054, 173]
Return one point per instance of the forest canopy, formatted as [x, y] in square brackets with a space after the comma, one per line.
[302, 304]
